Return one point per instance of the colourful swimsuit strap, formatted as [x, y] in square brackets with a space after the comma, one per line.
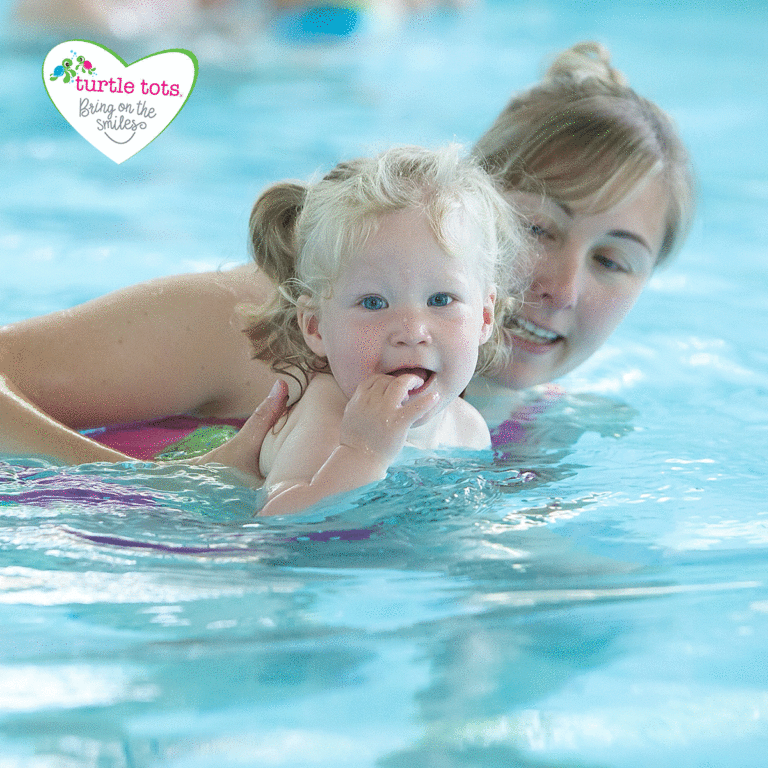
[513, 429]
[173, 437]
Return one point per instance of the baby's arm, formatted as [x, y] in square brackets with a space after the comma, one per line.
[337, 446]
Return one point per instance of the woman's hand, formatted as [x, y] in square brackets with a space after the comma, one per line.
[241, 452]
[380, 413]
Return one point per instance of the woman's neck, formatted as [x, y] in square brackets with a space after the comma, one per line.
[494, 401]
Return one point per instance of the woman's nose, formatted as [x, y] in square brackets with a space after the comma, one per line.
[558, 277]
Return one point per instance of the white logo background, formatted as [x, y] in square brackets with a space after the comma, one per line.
[118, 108]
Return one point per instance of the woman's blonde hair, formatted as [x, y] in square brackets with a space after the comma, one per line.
[584, 134]
[302, 235]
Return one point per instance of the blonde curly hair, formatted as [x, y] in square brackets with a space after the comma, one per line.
[303, 234]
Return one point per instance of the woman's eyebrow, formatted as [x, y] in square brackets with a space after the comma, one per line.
[624, 234]
[627, 235]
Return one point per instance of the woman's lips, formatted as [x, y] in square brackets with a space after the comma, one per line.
[528, 331]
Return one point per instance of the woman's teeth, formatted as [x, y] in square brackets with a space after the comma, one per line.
[530, 331]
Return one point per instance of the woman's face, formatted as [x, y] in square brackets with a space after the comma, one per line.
[590, 271]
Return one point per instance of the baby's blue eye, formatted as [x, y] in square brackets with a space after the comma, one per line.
[538, 232]
[373, 302]
[439, 300]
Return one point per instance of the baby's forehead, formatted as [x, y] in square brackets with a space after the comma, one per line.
[448, 236]
[440, 271]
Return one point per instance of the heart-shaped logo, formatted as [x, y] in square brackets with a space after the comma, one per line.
[117, 107]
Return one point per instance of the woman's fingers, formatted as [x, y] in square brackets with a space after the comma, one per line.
[242, 451]
[266, 414]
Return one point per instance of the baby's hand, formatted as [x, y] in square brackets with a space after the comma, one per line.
[380, 413]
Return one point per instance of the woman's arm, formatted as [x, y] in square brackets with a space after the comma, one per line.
[337, 446]
[160, 348]
[25, 429]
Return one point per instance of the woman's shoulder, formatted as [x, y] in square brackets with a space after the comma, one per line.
[229, 287]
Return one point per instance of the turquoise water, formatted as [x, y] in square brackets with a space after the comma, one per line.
[593, 597]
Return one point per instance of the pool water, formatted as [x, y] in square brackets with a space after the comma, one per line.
[593, 595]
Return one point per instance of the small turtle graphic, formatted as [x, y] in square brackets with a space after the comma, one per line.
[64, 70]
[85, 66]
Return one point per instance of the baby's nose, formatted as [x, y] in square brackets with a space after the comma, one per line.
[411, 328]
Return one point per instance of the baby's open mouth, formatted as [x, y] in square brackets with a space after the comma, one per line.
[423, 373]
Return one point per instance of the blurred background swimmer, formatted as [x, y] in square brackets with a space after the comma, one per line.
[298, 20]
[118, 18]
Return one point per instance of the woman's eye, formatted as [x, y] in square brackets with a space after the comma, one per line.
[373, 302]
[439, 300]
[608, 263]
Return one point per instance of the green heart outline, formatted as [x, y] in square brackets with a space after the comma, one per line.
[122, 61]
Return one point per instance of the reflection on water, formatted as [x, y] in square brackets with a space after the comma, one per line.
[466, 611]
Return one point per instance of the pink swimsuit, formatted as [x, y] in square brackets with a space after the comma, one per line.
[173, 437]
[176, 437]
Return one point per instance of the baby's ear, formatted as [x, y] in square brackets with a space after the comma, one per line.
[489, 306]
[309, 322]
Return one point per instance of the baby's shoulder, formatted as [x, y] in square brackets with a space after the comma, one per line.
[321, 400]
[322, 383]
[323, 392]
[469, 427]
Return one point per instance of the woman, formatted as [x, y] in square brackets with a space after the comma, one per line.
[606, 184]
[599, 172]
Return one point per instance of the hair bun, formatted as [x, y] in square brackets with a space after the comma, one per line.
[585, 60]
